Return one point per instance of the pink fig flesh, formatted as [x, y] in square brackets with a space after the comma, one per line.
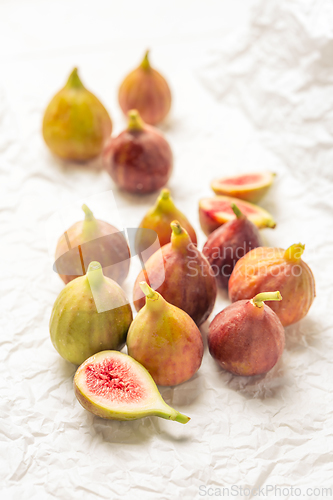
[246, 339]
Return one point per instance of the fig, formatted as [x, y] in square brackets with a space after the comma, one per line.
[113, 385]
[165, 340]
[182, 275]
[90, 314]
[213, 212]
[158, 219]
[228, 243]
[247, 337]
[146, 90]
[139, 160]
[76, 124]
[88, 240]
[266, 269]
[249, 187]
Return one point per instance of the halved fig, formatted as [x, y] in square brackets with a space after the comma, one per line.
[249, 187]
[213, 212]
[113, 385]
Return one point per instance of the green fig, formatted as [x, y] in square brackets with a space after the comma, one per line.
[158, 218]
[88, 240]
[112, 385]
[90, 314]
[165, 340]
[182, 275]
[146, 90]
[76, 124]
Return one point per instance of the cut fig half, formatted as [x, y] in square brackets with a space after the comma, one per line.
[113, 385]
[249, 187]
[213, 212]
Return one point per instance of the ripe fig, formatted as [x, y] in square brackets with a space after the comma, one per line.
[228, 243]
[266, 269]
[213, 212]
[247, 337]
[158, 218]
[249, 187]
[90, 314]
[76, 124]
[165, 340]
[112, 385]
[88, 240]
[189, 281]
[146, 90]
[139, 160]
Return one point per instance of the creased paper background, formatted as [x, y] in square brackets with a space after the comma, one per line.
[252, 85]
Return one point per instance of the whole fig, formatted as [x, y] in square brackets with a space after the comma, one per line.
[88, 240]
[267, 269]
[247, 337]
[227, 244]
[90, 314]
[76, 124]
[139, 160]
[146, 90]
[182, 275]
[158, 219]
[165, 340]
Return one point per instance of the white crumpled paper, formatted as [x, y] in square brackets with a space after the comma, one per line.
[257, 99]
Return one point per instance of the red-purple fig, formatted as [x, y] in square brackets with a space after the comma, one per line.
[88, 240]
[139, 160]
[146, 90]
[247, 337]
[165, 340]
[267, 269]
[112, 385]
[227, 244]
[76, 124]
[182, 275]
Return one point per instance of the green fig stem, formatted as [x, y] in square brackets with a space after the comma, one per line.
[180, 238]
[95, 273]
[135, 121]
[88, 213]
[236, 211]
[145, 61]
[74, 81]
[164, 195]
[294, 252]
[260, 298]
[148, 291]
[176, 228]
[180, 417]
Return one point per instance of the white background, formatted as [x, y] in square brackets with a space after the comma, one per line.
[252, 88]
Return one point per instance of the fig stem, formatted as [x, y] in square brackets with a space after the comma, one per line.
[145, 61]
[95, 273]
[260, 298]
[148, 291]
[236, 211]
[135, 121]
[88, 213]
[294, 252]
[176, 228]
[74, 80]
[180, 417]
[165, 194]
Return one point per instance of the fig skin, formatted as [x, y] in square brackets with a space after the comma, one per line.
[187, 278]
[165, 340]
[227, 244]
[268, 269]
[113, 385]
[77, 328]
[146, 90]
[246, 339]
[216, 211]
[111, 251]
[139, 160]
[76, 125]
[158, 218]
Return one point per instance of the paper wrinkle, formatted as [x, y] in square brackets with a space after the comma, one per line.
[252, 431]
